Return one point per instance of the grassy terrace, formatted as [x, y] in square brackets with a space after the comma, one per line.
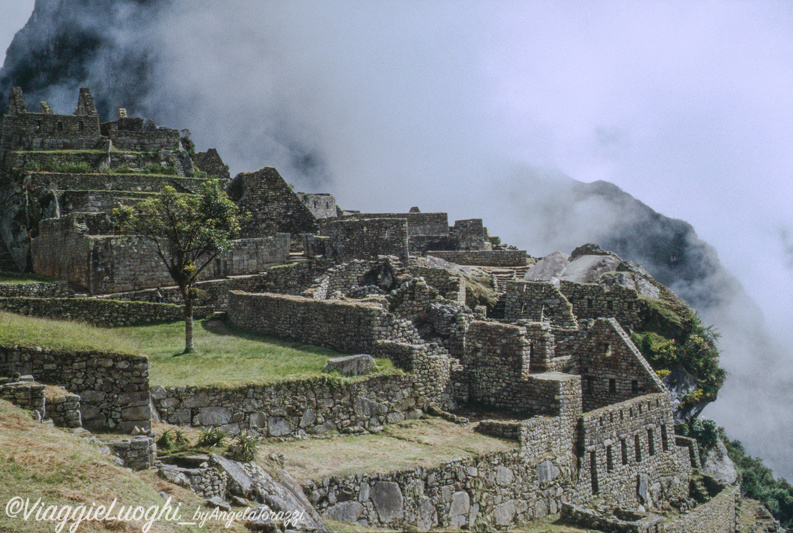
[408, 444]
[12, 278]
[223, 357]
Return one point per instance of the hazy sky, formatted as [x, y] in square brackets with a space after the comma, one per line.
[688, 106]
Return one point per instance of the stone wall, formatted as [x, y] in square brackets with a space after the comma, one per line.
[20, 130]
[469, 235]
[138, 453]
[35, 289]
[591, 301]
[419, 224]
[449, 284]
[28, 395]
[101, 312]
[211, 163]
[69, 249]
[321, 205]
[97, 201]
[63, 407]
[497, 359]
[113, 388]
[557, 398]
[47, 159]
[365, 239]
[341, 278]
[718, 515]
[538, 301]
[612, 368]
[296, 408]
[496, 258]
[346, 326]
[273, 205]
[499, 490]
[132, 133]
[628, 453]
[114, 182]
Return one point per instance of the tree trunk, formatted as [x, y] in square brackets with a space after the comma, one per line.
[188, 321]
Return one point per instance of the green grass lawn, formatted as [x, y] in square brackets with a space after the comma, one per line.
[225, 356]
[14, 278]
[60, 334]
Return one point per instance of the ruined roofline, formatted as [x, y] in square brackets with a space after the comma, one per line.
[85, 104]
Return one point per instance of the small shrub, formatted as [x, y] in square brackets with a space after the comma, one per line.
[211, 437]
[244, 449]
[166, 440]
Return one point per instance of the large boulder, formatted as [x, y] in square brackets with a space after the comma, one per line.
[718, 465]
[351, 365]
[273, 487]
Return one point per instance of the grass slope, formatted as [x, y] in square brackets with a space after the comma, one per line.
[40, 461]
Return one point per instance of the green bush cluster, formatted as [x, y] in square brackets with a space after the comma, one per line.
[758, 482]
[695, 350]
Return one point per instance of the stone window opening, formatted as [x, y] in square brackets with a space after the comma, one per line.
[664, 437]
[60, 126]
[630, 306]
[612, 385]
[593, 467]
[637, 445]
[610, 304]
[609, 459]
[650, 443]
[590, 384]
[589, 303]
[624, 450]
[81, 125]
[38, 126]
[523, 308]
[607, 350]
[635, 386]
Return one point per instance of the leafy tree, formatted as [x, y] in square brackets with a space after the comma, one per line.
[188, 232]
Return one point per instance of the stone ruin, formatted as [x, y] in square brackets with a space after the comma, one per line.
[552, 354]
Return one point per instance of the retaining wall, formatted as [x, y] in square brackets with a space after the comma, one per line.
[295, 408]
[101, 312]
[500, 489]
[496, 258]
[113, 388]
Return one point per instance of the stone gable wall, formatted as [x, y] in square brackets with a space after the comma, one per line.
[496, 258]
[538, 301]
[113, 388]
[612, 368]
[273, 205]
